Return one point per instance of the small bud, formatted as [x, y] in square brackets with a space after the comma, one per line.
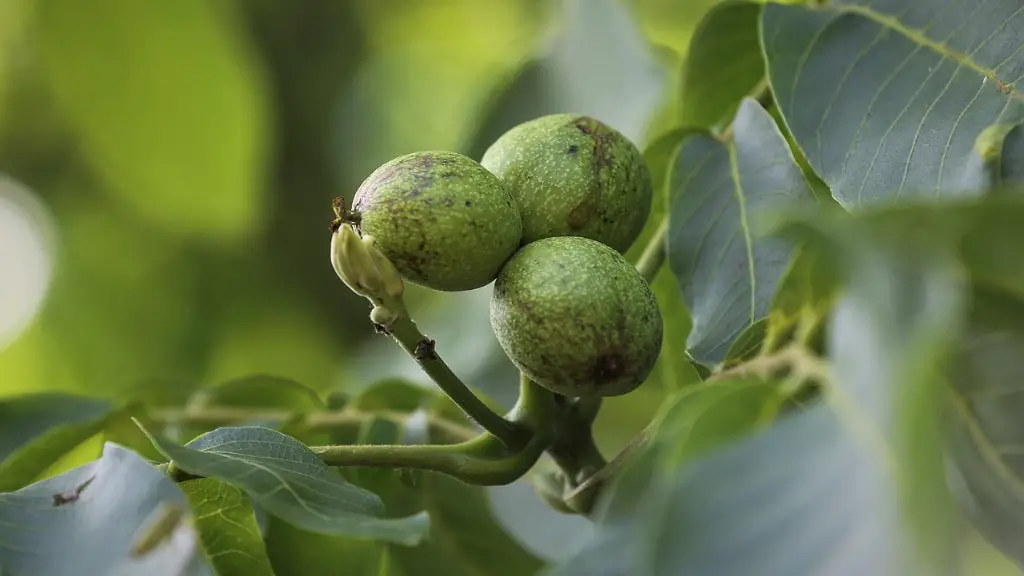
[391, 278]
[353, 263]
[383, 316]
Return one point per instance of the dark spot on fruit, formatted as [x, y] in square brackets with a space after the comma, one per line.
[468, 203]
[584, 125]
[609, 367]
[585, 211]
[573, 149]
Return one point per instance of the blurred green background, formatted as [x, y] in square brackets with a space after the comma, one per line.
[167, 170]
[167, 166]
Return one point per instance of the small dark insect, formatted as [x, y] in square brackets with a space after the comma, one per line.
[425, 350]
[72, 495]
[338, 205]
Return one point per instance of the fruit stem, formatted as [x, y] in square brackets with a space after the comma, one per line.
[653, 256]
[513, 435]
[471, 462]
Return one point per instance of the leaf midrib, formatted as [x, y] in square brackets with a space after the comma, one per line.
[919, 37]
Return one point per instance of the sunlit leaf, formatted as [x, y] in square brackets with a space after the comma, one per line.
[227, 528]
[727, 273]
[36, 430]
[169, 103]
[108, 509]
[289, 481]
[887, 98]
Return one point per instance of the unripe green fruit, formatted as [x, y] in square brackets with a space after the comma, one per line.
[572, 175]
[442, 219]
[575, 317]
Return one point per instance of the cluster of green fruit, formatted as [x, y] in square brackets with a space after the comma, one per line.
[546, 215]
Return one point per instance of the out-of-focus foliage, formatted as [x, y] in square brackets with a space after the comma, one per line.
[185, 154]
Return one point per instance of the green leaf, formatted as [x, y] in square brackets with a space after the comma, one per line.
[723, 64]
[1012, 157]
[393, 394]
[887, 99]
[121, 500]
[692, 423]
[224, 519]
[170, 106]
[466, 540]
[37, 429]
[985, 429]
[260, 391]
[727, 275]
[285, 477]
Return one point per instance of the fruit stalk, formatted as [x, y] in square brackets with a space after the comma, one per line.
[468, 462]
[653, 257]
[421, 348]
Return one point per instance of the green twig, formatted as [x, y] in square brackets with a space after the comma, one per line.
[472, 462]
[653, 257]
[421, 348]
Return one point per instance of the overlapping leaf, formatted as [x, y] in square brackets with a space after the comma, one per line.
[36, 430]
[290, 482]
[727, 273]
[224, 520]
[888, 98]
[723, 64]
[112, 527]
[696, 420]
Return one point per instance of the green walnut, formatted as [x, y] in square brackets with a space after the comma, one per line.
[440, 217]
[573, 175]
[575, 317]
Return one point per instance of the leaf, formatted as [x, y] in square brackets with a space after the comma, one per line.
[285, 477]
[122, 500]
[260, 391]
[227, 528]
[37, 429]
[182, 138]
[829, 490]
[1012, 157]
[466, 539]
[723, 64]
[694, 421]
[727, 275]
[393, 394]
[887, 99]
[984, 429]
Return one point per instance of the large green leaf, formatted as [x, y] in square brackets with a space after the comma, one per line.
[694, 421]
[727, 273]
[887, 98]
[111, 528]
[169, 103]
[985, 431]
[723, 64]
[289, 481]
[37, 429]
[227, 528]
